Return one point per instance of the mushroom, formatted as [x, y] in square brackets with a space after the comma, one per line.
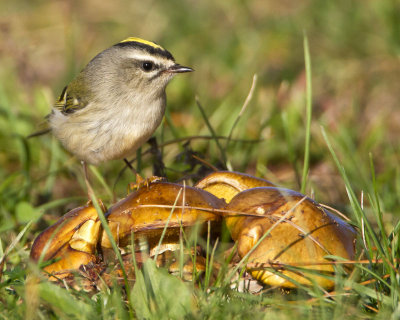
[300, 232]
[276, 229]
[226, 184]
[149, 210]
[71, 240]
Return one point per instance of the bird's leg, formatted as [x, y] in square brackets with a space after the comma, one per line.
[88, 186]
[129, 165]
[158, 164]
[139, 180]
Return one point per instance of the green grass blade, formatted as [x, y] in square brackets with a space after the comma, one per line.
[62, 301]
[306, 164]
[166, 225]
[213, 134]
[242, 110]
[100, 178]
[359, 213]
[106, 228]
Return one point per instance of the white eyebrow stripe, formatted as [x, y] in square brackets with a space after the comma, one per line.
[143, 56]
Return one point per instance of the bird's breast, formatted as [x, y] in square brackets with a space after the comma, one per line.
[128, 127]
[100, 133]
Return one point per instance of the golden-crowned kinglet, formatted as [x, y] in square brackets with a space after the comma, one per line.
[116, 102]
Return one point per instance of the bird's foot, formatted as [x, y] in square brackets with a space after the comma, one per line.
[142, 182]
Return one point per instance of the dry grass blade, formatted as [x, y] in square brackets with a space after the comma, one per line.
[280, 265]
[340, 214]
[206, 163]
[12, 246]
[246, 257]
[225, 212]
[244, 107]
[308, 234]
[166, 226]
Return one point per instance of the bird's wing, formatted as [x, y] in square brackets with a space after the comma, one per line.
[68, 103]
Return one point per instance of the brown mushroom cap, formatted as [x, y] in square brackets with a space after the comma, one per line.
[55, 237]
[307, 233]
[70, 259]
[226, 184]
[146, 211]
[299, 230]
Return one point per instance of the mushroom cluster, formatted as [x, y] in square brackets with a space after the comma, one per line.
[273, 228]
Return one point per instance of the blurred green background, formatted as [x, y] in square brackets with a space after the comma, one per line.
[355, 57]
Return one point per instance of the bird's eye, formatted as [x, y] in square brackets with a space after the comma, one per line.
[147, 66]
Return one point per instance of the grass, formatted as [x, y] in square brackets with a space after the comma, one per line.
[350, 159]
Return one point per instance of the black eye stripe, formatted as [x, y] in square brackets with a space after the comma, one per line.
[148, 66]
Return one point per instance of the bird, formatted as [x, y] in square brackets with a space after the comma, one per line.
[115, 104]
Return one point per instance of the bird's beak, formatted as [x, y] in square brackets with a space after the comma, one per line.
[177, 68]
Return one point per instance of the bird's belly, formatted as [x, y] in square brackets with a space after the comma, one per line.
[115, 143]
[122, 146]
[96, 140]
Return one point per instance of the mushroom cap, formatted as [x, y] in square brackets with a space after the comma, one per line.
[146, 213]
[226, 184]
[306, 234]
[70, 259]
[55, 237]
[272, 226]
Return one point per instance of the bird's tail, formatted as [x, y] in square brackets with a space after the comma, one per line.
[39, 133]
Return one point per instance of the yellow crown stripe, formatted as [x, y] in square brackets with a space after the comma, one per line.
[149, 43]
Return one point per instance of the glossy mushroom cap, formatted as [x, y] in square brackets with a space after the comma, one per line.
[147, 211]
[300, 231]
[227, 184]
[72, 240]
